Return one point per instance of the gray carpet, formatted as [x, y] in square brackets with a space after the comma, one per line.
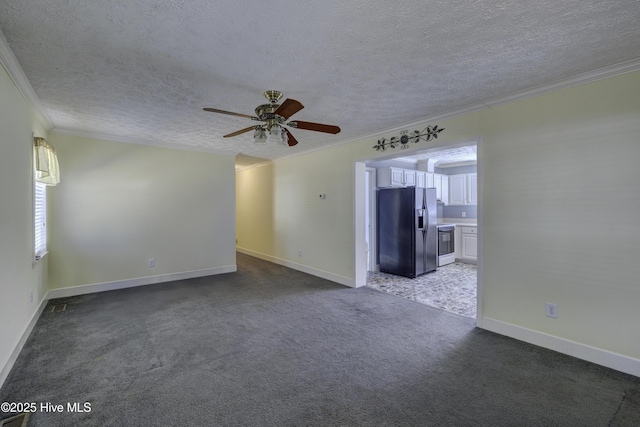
[270, 346]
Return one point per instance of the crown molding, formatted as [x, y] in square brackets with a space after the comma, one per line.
[151, 143]
[457, 164]
[254, 165]
[577, 80]
[11, 64]
[407, 160]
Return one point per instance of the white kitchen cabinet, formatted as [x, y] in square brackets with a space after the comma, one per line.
[429, 182]
[409, 178]
[391, 177]
[457, 189]
[442, 183]
[445, 189]
[469, 243]
[463, 189]
[397, 177]
[472, 188]
[437, 183]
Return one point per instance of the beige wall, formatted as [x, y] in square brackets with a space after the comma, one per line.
[559, 206]
[121, 204]
[255, 208]
[560, 220]
[20, 277]
[282, 218]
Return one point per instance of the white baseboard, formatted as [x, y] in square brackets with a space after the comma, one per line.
[301, 267]
[140, 281]
[612, 360]
[4, 373]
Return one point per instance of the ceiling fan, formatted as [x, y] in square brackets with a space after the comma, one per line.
[274, 116]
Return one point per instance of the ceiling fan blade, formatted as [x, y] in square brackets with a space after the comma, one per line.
[213, 110]
[291, 140]
[239, 132]
[288, 108]
[318, 127]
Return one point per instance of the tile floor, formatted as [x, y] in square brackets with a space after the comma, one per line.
[451, 287]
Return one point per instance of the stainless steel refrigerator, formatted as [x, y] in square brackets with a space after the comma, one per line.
[407, 230]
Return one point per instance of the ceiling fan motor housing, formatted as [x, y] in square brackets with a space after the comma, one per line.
[265, 113]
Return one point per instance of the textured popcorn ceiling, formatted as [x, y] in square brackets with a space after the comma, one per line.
[142, 70]
[446, 156]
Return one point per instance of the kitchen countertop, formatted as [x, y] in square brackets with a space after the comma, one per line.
[459, 222]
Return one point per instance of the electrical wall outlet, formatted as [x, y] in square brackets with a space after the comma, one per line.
[552, 310]
[300, 252]
[464, 214]
[152, 262]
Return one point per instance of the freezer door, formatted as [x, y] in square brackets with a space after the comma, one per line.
[396, 231]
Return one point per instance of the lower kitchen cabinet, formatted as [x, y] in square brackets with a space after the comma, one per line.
[469, 243]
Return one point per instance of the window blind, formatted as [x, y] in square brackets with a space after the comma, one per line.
[40, 216]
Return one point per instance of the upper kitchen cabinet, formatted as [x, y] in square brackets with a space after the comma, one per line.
[396, 177]
[429, 180]
[472, 188]
[441, 183]
[463, 189]
[399, 177]
[457, 189]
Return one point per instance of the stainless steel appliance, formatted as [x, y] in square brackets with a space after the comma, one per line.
[407, 234]
[446, 244]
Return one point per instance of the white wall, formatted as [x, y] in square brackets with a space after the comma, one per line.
[121, 204]
[20, 276]
[559, 221]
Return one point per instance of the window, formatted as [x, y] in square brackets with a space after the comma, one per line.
[40, 216]
[46, 172]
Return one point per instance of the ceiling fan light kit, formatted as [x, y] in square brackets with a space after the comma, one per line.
[275, 118]
[260, 136]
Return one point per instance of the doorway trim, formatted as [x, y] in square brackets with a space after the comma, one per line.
[372, 234]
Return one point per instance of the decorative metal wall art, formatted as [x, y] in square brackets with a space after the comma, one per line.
[406, 137]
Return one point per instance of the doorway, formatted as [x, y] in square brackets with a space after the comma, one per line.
[455, 287]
